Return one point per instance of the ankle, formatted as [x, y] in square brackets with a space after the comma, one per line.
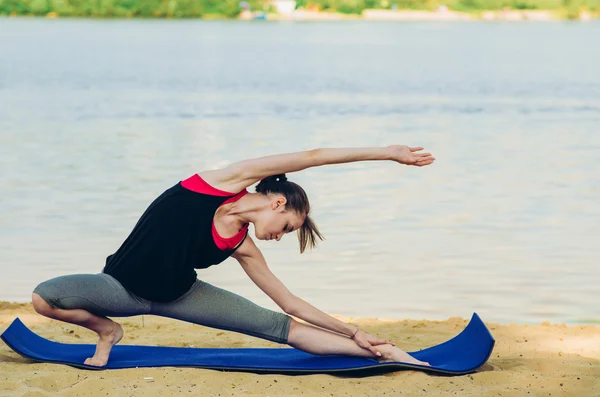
[101, 326]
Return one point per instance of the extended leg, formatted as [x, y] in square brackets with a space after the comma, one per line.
[319, 341]
[208, 305]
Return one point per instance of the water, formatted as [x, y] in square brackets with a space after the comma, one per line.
[99, 117]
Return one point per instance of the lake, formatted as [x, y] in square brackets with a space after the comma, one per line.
[98, 117]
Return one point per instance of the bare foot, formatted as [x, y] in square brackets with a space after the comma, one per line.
[106, 340]
[393, 354]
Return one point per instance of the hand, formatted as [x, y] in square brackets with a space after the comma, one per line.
[408, 156]
[368, 341]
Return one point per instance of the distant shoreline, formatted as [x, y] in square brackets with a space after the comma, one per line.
[366, 15]
[425, 15]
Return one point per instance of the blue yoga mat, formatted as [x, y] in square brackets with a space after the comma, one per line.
[460, 355]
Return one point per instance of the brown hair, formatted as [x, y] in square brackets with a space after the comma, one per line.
[297, 201]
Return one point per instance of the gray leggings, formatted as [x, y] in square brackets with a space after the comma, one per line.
[204, 304]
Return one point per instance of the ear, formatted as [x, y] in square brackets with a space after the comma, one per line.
[278, 203]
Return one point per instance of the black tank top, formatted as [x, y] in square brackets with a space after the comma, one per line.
[171, 239]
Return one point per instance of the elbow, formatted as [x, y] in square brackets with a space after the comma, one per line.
[290, 307]
[314, 157]
[291, 311]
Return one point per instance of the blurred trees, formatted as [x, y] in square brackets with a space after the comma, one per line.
[232, 8]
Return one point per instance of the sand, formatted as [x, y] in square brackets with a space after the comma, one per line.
[528, 360]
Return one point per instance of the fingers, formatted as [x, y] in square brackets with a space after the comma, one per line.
[375, 351]
[423, 164]
[415, 149]
[421, 161]
[368, 346]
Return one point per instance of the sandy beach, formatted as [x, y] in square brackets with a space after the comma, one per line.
[528, 360]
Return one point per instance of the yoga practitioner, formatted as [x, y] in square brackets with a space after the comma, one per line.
[200, 222]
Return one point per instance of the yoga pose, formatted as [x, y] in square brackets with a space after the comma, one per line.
[200, 222]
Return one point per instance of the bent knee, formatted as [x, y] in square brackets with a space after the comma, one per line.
[295, 326]
[40, 305]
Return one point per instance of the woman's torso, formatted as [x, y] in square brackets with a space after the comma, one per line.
[174, 236]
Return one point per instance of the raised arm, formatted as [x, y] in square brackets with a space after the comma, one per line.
[244, 173]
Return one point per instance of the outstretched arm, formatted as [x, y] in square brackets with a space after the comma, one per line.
[254, 264]
[242, 174]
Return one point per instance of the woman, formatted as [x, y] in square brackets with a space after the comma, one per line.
[200, 222]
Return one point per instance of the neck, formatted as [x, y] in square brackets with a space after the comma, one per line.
[244, 210]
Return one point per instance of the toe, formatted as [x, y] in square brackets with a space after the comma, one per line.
[95, 362]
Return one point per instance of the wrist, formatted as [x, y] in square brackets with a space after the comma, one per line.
[386, 153]
[354, 333]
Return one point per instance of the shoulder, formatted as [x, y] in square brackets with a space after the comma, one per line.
[229, 179]
[211, 183]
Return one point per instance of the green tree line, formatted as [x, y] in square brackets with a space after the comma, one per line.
[232, 8]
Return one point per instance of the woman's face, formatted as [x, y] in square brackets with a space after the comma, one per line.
[275, 221]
